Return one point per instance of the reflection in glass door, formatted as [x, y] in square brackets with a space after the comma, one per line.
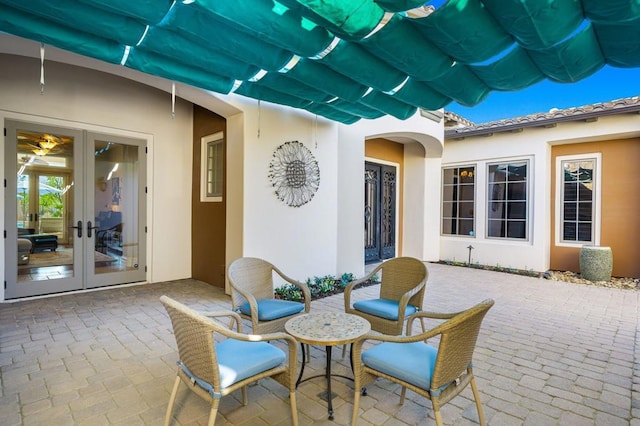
[118, 209]
[41, 253]
[74, 219]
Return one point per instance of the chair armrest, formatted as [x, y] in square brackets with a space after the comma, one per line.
[306, 293]
[404, 300]
[250, 298]
[353, 284]
[235, 318]
[429, 315]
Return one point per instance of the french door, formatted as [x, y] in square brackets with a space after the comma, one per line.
[379, 212]
[74, 209]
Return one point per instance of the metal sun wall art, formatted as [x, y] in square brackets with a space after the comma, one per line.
[294, 173]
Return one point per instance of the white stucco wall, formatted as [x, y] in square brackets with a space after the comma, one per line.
[533, 144]
[325, 236]
[423, 139]
[88, 100]
[299, 240]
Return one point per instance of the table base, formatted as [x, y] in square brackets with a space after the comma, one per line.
[326, 395]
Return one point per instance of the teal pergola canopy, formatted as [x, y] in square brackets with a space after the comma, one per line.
[344, 60]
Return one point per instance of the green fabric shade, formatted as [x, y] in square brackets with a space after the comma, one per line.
[421, 95]
[537, 24]
[462, 85]
[571, 60]
[30, 26]
[328, 111]
[344, 60]
[354, 18]
[619, 43]
[163, 66]
[164, 42]
[119, 28]
[611, 10]
[399, 5]
[514, 71]
[465, 30]
[213, 33]
[399, 43]
[280, 27]
[149, 12]
[284, 84]
[325, 79]
[357, 109]
[388, 105]
[352, 60]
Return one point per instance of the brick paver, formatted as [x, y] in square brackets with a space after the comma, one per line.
[549, 353]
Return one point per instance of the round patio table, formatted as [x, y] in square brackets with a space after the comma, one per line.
[327, 329]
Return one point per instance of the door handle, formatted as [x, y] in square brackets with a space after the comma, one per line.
[79, 228]
[89, 228]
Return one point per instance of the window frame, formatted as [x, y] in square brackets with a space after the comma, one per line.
[217, 138]
[596, 199]
[527, 200]
[457, 186]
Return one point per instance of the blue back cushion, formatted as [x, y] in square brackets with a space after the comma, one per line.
[383, 308]
[410, 362]
[270, 309]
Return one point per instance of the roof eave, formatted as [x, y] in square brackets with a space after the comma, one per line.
[590, 116]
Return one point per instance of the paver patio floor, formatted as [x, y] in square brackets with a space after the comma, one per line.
[549, 353]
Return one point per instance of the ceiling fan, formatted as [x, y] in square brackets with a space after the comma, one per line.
[41, 144]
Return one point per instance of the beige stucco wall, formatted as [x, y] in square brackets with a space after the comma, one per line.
[89, 100]
[534, 144]
[618, 212]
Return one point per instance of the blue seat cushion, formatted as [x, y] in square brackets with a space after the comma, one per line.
[270, 309]
[238, 360]
[410, 362]
[383, 308]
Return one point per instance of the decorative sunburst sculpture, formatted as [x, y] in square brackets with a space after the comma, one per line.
[294, 173]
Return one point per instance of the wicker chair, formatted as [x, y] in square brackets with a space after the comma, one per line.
[401, 294]
[437, 373]
[212, 367]
[252, 295]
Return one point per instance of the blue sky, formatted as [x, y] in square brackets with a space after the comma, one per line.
[605, 85]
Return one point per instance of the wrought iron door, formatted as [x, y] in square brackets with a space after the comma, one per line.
[379, 212]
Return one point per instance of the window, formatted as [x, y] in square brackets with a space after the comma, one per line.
[212, 182]
[508, 200]
[458, 200]
[577, 204]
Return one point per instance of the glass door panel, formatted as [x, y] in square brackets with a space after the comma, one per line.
[39, 248]
[118, 209]
[75, 213]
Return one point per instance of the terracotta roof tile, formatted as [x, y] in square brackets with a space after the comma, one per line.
[540, 118]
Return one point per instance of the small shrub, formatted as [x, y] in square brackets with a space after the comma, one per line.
[319, 287]
[345, 279]
[289, 292]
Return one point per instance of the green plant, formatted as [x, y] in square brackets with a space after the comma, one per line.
[345, 279]
[288, 292]
[319, 287]
[51, 202]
